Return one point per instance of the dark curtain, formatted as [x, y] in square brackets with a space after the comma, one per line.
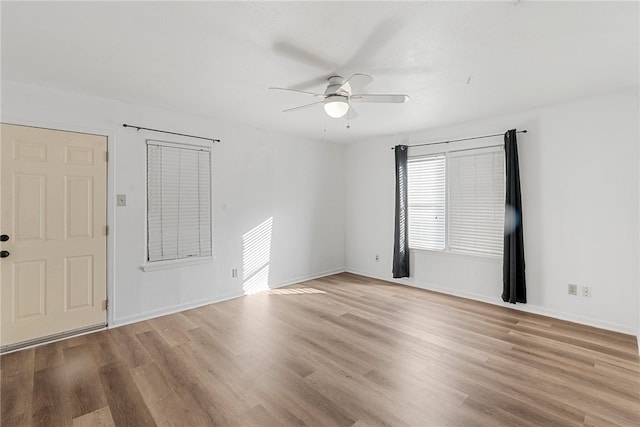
[401, 241]
[514, 286]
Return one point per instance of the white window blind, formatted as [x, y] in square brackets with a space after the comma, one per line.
[476, 201]
[178, 201]
[426, 202]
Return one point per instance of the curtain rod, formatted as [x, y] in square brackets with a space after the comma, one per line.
[458, 140]
[172, 133]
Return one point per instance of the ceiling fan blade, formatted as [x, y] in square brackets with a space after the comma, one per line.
[362, 79]
[297, 91]
[351, 114]
[387, 98]
[400, 71]
[380, 36]
[298, 54]
[302, 107]
[317, 81]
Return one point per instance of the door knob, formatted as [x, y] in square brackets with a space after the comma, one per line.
[4, 254]
[4, 237]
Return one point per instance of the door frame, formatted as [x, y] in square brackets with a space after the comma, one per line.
[110, 135]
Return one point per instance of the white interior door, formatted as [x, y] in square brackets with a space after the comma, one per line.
[53, 223]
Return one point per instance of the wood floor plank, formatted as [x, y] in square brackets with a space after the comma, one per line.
[16, 399]
[375, 410]
[103, 349]
[173, 329]
[98, 418]
[125, 402]
[307, 403]
[595, 421]
[166, 404]
[16, 387]
[49, 405]
[226, 378]
[129, 348]
[185, 381]
[85, 390]
[512, 388]
[19, 362]
[50, 355]
[259, 416]
[342, 350]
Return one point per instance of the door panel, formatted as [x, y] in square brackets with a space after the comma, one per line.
[53, 207]
[79, 281]
[79, 209]
[29, 209]
[29, 289]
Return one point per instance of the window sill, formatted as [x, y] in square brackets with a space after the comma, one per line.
[175, 263]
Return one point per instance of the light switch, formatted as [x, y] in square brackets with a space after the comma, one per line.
[122, 199]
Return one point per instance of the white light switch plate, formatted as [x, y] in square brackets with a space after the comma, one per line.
[122, 199]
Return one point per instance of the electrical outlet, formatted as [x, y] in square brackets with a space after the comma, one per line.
[377, 257]
[234, 272]
[572, 289]
[586, 291]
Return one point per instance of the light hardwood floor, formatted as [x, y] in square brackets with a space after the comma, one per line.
[338, 351]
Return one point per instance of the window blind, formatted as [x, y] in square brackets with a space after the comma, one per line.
[178, 201]
[426, 202]
[476, 201]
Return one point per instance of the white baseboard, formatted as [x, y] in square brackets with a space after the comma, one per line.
[126, 320]
[529, 308]
[308, 277]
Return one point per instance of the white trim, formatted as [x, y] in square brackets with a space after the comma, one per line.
[171, 310]
[304, 278]
[126, 320]
[529, 308]
[175, 263]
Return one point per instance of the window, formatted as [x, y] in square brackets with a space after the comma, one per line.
[178, 201]
[456, 201]
[426, 202]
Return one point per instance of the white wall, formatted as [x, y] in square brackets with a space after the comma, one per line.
[579, 168]
[581, 195]
[256, 176]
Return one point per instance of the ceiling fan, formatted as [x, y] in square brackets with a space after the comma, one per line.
[338, 97]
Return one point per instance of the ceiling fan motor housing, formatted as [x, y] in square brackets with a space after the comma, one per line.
[338, 87]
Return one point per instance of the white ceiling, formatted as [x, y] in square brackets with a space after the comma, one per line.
[458, 61]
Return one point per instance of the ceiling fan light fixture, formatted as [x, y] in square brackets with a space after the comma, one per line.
[336, 106]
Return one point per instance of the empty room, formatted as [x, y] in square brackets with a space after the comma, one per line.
[323, 213]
